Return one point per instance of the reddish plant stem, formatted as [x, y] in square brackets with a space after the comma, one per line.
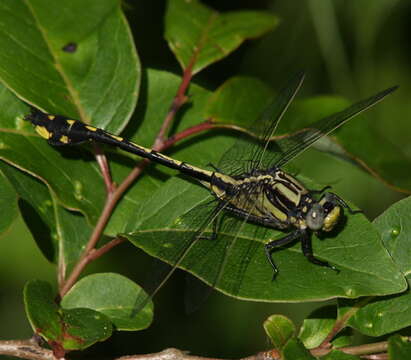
[104, 168]
[206, 125]
[109, 206]
[342, 322]
[96, 253]
[114, 194]
[179, 100]
[111, 202]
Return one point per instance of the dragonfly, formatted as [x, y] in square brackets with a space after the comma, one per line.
[249, 182]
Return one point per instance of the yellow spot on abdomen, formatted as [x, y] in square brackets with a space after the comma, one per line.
[118, 138]
[91, 128]
[64, 139]
[71, 122]
[51, 117]
[43, 132]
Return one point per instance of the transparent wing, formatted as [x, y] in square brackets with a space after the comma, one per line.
[292, 146]
[220, 261]
[248, 151]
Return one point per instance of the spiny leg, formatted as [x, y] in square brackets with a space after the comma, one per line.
[308, 253]
[277, 243]
[216, 222]
[342, 203]
[320, 191]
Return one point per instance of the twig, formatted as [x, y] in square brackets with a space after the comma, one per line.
[342, 321]
[365, 349]
[175, 354]
[110, 204]
[29, 349]
[206, 125]
[114, 194]
[104, 167]
[25, 349]
[96, 253]
[179, 100]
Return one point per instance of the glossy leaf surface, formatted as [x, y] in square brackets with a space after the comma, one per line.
[88, 71]
[279, 329]
[72, 329]
[200, 36]
[385, 315]
[235, 262]
[114, 296]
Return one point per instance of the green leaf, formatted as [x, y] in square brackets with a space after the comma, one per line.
[67, 172]
[354, 141]
[240, 100]
[159, 91]
[200, 36]
[36, 207]
[70, 172]
[97, 80]
[399, 348]
[394, 224]
[60, 234]
[338, 355]
[294, 349]
[385, 315]
[344, 338]
[314, 331]
[8, 203]
[319, 324]
[114, 296]
[73, 329]
[235, 263]
[279, 329]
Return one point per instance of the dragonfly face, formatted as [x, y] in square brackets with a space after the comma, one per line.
[323, 215]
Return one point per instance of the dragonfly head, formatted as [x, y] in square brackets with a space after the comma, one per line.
[324, 214]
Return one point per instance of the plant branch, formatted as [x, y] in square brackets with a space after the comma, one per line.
[25, 349]
[109, 206]
[179, 100]
[206, 125]
[104, 168]
[175, 354]
[29, 349]
[365, 349]
[114, 194]
[341, 322]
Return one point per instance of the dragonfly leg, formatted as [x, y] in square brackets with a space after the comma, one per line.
[336, 199]
[215, 223]
[308, 253]
[277, 243]
[320, 191]
[214, 167]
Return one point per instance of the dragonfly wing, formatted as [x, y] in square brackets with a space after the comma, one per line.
[292, 146]
[247, 152]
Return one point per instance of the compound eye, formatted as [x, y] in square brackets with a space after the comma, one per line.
[328, 206]
[332, 218]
